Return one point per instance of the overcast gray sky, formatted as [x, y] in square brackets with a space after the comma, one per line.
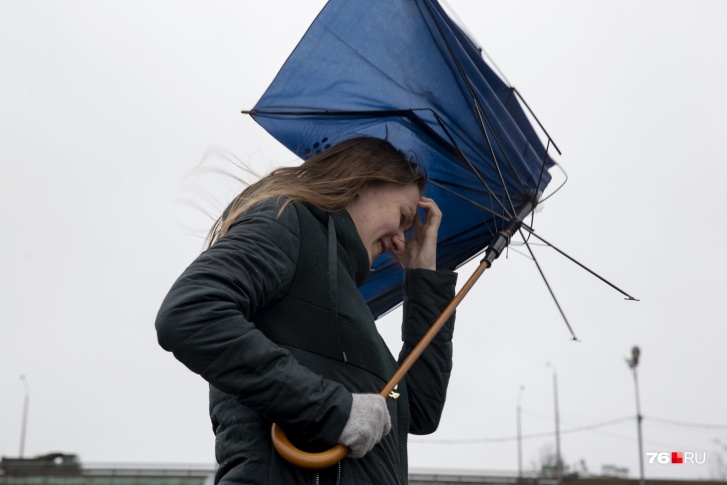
[108, 108]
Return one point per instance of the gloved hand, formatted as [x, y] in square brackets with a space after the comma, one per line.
[368, 422]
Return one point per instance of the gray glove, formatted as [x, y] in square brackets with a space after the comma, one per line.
[368, 423]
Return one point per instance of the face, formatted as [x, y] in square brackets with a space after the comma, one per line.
[382, 213]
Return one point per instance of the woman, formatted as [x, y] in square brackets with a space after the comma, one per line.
[271, 316]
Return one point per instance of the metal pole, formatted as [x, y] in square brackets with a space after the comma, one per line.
[26, 403]
[633, 362]
[558, 460]
[638, 426]
[519, 437]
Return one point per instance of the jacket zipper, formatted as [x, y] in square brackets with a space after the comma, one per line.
[338, 476]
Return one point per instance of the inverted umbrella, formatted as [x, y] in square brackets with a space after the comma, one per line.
[403, 71]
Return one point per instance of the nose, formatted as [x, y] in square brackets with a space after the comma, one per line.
[398, 242]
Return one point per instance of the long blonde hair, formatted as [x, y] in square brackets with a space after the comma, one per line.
[329, 180]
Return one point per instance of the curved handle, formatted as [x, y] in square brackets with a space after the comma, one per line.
[304, 459]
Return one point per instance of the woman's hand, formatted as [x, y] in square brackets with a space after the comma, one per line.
[421, 251]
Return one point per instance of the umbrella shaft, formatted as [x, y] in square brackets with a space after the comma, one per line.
[433, 330]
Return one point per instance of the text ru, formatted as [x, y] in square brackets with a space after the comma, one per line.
[677, 457]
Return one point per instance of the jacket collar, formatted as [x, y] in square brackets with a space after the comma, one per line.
[354, 256]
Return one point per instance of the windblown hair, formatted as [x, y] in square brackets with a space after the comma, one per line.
[329, 180]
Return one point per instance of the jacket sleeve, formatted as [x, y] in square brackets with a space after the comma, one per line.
[205, 320]
[426, 295]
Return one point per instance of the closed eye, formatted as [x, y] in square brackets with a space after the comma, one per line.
[406, 221]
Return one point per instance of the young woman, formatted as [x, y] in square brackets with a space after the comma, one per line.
[271, 316]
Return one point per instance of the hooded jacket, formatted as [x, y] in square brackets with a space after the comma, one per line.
[272, 318]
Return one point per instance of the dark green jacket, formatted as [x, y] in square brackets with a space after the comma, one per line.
[254, 316]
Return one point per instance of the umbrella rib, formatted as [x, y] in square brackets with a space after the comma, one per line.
[482, 117]
[381, 113]
[542, 169]
[490, 192]
[467, 199]
[536, 119]
[532, 232]
[565, 174]
[545, 280]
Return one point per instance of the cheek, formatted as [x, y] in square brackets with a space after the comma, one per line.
[393, 224]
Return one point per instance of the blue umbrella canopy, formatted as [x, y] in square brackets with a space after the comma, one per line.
[403, 71]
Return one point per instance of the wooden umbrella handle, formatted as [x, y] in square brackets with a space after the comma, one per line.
[304, 459]
[325, 459]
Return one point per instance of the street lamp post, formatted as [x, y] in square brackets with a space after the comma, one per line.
[519, 436]
[26, 403]
[633, 362]
[558, 460]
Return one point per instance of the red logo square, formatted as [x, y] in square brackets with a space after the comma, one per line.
[677, 457]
